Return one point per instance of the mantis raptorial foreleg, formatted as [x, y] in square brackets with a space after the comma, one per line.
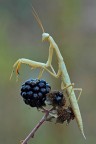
[34, 64]
[40, 73]
[52, 69]
[54, 74]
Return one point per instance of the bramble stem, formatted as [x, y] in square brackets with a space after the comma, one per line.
[31, 134]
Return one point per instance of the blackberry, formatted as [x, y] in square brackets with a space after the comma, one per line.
[34, 92]
[55, 98]
[65, 115]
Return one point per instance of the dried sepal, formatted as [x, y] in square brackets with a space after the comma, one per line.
[65, 114]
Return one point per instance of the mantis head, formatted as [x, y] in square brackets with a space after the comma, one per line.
[45, 36]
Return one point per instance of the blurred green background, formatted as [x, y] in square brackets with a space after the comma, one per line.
[72, 23]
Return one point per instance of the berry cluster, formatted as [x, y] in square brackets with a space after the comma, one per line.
[34, 92]
[55, 98]
[65, 115]
[37, 93]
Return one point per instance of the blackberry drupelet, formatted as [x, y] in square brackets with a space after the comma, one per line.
[55, 98]
[34, 92]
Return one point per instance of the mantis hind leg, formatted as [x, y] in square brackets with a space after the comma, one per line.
[63, 87]
[75, 89]
[78, 89]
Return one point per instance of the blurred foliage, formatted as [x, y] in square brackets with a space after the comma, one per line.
[72, 23]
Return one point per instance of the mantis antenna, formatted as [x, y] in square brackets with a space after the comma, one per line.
[37, 19]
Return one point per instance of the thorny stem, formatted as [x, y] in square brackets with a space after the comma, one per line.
[31, 134]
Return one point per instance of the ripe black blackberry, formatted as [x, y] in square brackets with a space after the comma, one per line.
[34, 92]
[55, 98]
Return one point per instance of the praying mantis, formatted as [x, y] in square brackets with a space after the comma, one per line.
[61, 73]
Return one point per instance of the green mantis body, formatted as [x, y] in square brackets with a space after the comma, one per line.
[62, 72]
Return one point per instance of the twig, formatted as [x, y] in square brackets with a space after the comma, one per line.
[31, 134]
